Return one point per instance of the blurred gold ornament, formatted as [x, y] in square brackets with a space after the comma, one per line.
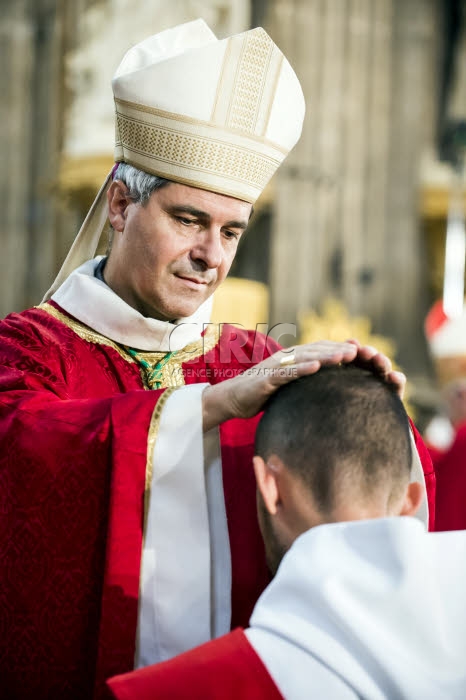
[335, 323]
[241, 301]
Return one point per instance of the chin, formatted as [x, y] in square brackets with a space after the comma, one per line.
[185, 311]
[173, 313]
[187, 307]
[169, 309]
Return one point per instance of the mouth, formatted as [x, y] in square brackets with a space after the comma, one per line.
[193, 282]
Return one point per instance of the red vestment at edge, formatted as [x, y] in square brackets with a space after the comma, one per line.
[228, 668]
[450, 475]
[74, 424]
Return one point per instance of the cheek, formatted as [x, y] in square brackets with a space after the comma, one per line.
[155, 258]
[170, 251]
[226, 265]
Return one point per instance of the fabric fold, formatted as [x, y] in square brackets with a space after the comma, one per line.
[179, 584]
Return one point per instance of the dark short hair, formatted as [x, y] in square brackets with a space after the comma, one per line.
[341, 423]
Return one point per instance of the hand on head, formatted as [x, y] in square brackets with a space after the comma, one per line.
[244, 396]
[370, 358]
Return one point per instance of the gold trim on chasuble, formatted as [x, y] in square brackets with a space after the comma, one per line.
[170, 374]
[152, 434]
[83, 331]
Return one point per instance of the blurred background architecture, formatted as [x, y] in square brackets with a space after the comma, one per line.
[356, 215]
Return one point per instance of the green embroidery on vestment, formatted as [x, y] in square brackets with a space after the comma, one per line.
[153, 373]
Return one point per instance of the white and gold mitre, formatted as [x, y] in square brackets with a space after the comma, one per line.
[217, 115]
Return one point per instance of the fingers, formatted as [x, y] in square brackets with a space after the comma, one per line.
[305, 368]
[302, 360]
[324, 352]
[370, 357]
[308, 359]
[354, 341]
[282, 374]
[398, 379]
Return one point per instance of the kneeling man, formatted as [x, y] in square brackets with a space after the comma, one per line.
[364, 603]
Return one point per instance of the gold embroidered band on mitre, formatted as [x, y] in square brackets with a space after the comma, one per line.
[194, 153]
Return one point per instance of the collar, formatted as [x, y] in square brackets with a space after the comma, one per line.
[91, 301]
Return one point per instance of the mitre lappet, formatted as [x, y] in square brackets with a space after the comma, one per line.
[219, 115]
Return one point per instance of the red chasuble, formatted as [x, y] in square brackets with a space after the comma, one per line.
[228, 668]
[429, 473]
[77, 429]
[450, 472]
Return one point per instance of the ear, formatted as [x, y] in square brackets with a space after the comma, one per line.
[413, 498]
[266, 480]
[118, 201]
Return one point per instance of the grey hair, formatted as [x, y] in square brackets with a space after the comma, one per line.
[140, 184]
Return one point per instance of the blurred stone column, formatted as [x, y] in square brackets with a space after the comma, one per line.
[413, 117]
[47, 211]
[16, 50]
[30, 84]
[345, 216]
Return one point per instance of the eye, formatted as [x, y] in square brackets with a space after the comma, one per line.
[185, 221]
[231, 235]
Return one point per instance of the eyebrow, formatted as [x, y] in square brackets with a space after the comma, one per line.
[203, 215]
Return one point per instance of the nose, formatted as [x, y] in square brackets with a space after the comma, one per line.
[207, 252]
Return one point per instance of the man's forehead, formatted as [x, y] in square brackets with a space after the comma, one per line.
[178, 195]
